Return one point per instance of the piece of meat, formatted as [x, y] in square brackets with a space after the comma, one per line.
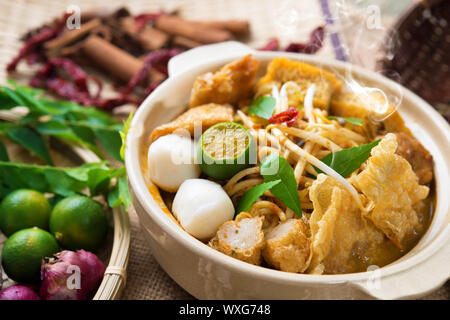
[378, 116]
[229, 85]
[203, 116]
[390, 183]
[342, 241]
[287, 246]
[418, 157]
[242, 239]
[282, 70]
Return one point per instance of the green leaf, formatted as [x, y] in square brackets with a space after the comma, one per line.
[31, 141]
[59, 180]
[355, 121]
[347, 161]
[3, 152]
[250, 196]
[80, 135]
[262, 107]
[120, 194]
[274, 167]
[111, 141]
[62, 183]
[123, 135]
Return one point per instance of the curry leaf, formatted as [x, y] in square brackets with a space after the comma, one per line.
[347, 161]
[274, 167]
[262, 107]
[65, 120]
[120, 194]
[254, 193]
[58, 180]
[30, 140]
[111, 141]
[123, 135]
[3, 152]
[355, 121]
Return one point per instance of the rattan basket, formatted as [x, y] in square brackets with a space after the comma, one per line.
[417, 50]
[114, 280]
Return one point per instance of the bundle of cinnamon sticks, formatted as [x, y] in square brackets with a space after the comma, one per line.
[132, 49]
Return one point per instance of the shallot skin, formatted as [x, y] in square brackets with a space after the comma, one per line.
[59, 280]
[18, 292]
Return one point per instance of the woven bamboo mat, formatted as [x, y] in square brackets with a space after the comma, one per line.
[285, 19]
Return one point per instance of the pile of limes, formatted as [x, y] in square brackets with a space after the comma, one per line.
[36, 231]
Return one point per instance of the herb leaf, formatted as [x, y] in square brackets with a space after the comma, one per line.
[346, 161]
[58, 180]
[120, 194]
[31, 141]
[250, 196]
[3, 152]
[355, 121]
[262, 107]
[67, 120]
[123, 135]
[274, 167]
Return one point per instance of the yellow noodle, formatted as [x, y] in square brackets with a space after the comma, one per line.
[310, 136]
[244, 186]
[238, 176]
[266, 207]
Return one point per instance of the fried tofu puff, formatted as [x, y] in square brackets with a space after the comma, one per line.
[390, 183]
[420, 159]
[230, 84]
[287, 246]
[242, 239]
[282, 70]
[378, 116]
[342, 240]
[205, 116]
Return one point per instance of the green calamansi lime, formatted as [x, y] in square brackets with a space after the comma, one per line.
[23, 252]
[79, 222]
[225, 149]
[23, 209]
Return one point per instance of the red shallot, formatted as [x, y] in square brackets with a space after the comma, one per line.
[71, 276]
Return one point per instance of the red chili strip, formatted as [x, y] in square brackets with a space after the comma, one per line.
[68, 90]
[272, 45]
[289, 116]
[159, 57]
[312, 46]
[142, 19]
[36, 40]
[74, 72]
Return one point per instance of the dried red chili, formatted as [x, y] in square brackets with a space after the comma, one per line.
[289, 117]
[155, 58]
[142, 19]
[272, 45]
[312, 46]
[32, 44]
[74, 89]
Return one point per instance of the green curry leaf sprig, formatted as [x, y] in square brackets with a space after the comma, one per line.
[68, 121]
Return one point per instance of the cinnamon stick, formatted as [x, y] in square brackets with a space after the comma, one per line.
[114, 60]
[72, 35]
[237, 27]
[149, 38]
[180, 27]
[179, 41]
[152, 39]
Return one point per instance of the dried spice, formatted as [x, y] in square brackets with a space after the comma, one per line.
[289, 117]
[272, 45]
[33, 43]
[312, 46]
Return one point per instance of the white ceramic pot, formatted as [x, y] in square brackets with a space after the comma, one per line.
[209, 274]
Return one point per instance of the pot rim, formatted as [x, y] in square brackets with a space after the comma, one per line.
[151, 207]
